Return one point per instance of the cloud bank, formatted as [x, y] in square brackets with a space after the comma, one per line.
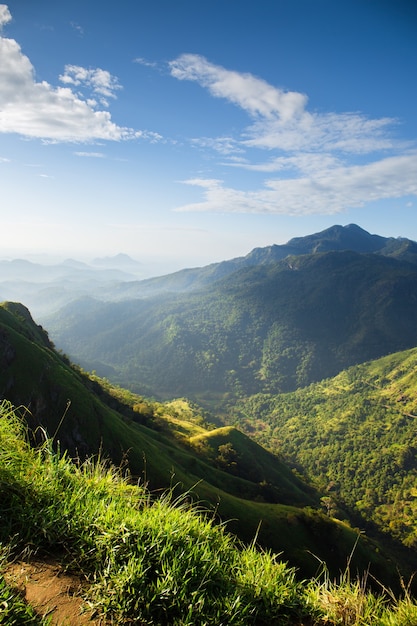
[325, 162]
[40, 110]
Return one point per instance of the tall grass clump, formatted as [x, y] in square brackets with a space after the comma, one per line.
[350, 602]
[14, 611]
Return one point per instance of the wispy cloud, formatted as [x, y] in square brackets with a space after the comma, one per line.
[222, 145]
[57, 114]
[78, 29]
[93, 155]
[252, 94]
[315, 155]
[280, 118]
[145, 62]
[328, 191]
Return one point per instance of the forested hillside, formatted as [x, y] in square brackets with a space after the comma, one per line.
[354, 436]
[267, 328]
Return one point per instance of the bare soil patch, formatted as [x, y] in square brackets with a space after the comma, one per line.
[52, 592]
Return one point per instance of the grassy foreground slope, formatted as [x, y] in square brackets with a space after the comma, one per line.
[154, 561]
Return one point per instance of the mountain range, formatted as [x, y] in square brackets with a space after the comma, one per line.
[47, 287]
[269, 322]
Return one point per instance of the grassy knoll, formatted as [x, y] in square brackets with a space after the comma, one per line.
[154, 560]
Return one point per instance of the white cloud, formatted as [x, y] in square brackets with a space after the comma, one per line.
[145, 62]
[350, 133]
[281, 119]
[207, 183]
[300, 162]
[252, 94]
[329, 191]
[222, 145]
[323, 161]
[5, 15]
[37, 109]
[100, 81]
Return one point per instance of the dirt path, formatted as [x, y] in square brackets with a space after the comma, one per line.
[51, 592]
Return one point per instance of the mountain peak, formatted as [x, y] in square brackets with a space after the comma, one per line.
[351, 237]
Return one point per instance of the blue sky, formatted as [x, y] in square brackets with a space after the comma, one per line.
[189, 132]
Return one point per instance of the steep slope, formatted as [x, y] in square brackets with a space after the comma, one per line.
[252, 488]
[97, 549]
[34, 376]
[268, 328]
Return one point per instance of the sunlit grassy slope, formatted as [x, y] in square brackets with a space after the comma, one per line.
[155, 560]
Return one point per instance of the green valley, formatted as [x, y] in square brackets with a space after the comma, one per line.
[172, 446]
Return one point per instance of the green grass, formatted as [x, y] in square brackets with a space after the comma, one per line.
[156, 560]
[14, 611]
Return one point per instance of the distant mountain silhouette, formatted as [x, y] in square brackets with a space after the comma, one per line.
[335, 238]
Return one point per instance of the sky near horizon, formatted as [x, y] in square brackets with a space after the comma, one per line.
[183, 133]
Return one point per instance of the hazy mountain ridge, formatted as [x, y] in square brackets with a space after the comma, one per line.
[46, 288]
[336, 238]
[268, 327]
